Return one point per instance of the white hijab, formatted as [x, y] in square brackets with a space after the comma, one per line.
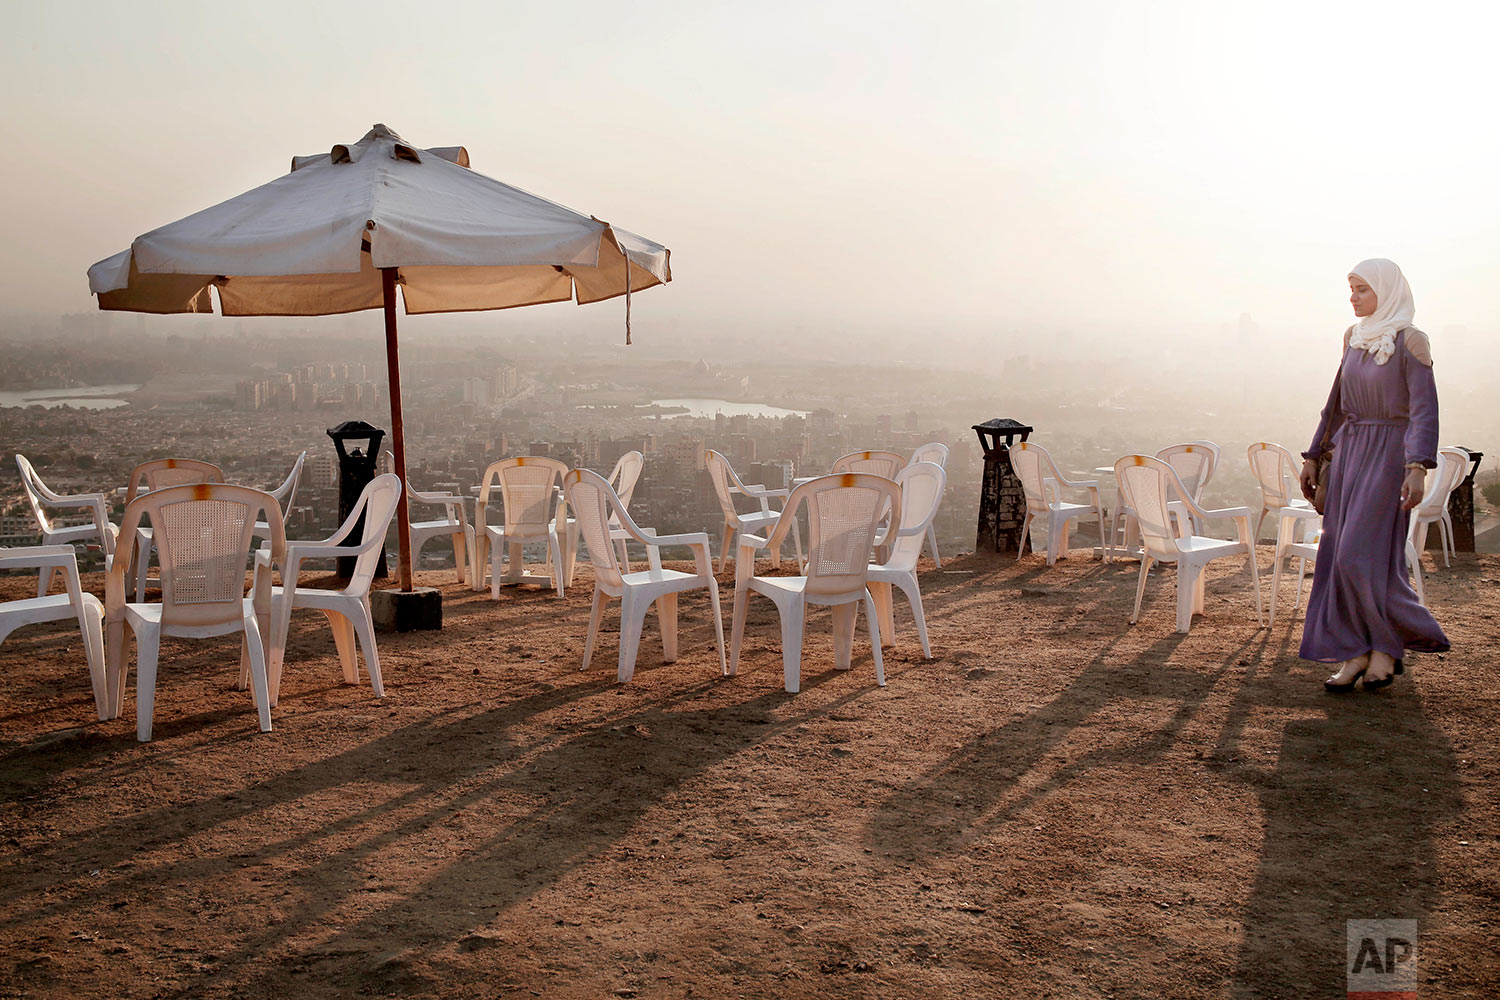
[1376, 333]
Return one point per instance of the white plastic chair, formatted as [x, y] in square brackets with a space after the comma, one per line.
[736, 525]
[622, 479]
[843, 521]
[1453, 463]
[60, 560]
[453, 525]
[873, 463]
[159, 474]
[1275, 472]
[202, 535]
[347, 610]
[1034, 467]
[937, 453]
[1148, 484]
[597, 509]
[529, 488]
[1195, 463]
[40, 498]
[921, 494]
[1304, 550]
[284, 494]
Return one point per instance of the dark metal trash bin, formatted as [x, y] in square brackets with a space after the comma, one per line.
[1002, 501]
[356, 471]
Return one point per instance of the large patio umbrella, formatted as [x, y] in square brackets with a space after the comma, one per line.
[340, 231]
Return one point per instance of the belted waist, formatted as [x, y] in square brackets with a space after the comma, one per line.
[1356, 420]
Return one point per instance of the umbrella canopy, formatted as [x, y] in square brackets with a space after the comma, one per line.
[343, 229]
[312, 243]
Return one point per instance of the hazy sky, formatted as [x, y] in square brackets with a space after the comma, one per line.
[960, 167]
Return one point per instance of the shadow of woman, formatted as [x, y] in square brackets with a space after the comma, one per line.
[1349, 812]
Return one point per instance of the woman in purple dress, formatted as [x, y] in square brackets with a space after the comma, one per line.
[1383, 414]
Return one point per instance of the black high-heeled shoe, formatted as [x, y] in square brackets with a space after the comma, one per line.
[1400, 667]
[1336, 687]
[1371, 684]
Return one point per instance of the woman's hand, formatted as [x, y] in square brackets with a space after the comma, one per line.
[1412, 488]
[1309, 477]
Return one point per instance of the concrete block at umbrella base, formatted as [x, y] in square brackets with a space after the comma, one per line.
[407, 610]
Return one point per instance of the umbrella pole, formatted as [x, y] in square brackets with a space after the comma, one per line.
[398, 436]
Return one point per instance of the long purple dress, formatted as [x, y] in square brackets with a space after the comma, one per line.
[1362, 600]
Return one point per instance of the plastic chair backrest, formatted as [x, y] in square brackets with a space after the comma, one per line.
[36, 493]
[203, 533]
[1275, 471]
[872, 463]
[1032, 465]
[1194, 462]
[377, 503]
[594, 504]
[626, 473]
[527, 486]
[723, 476]
[921, 495]
[1452, 464]
[287, 491]
[1148, 485]
[843, 517]
[161, 473]
[934, 451]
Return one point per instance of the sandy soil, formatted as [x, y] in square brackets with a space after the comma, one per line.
[1058, 804]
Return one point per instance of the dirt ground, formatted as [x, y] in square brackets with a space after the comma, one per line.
[1057, 805]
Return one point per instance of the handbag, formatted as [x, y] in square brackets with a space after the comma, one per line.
[1325, 446]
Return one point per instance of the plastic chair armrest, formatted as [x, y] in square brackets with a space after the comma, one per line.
[753, 542]
[37, 556]
[687, 538]
[757, 490]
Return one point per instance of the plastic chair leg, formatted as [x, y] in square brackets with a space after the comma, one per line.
[791, 644]
[147, 646]
[596, 614]
[364, 630]
[844, 616]
[114, 665]
[874, 640]
[460, 556]
[343, 640]
[666, 614]
[142, 559]
[91, 624]
[622, 552]
[932, 542]
[797, 546]
[632, 621]
[259, 683]
[497, 553]
[554, 549]
[1052, 540]
[713, 597]
[737, 628]
[1301, 576]
[724, 540]
[1140, 587]
[914, 598]
[1187, 592]
[571, 534]
[881, 592]
[1021, 544]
